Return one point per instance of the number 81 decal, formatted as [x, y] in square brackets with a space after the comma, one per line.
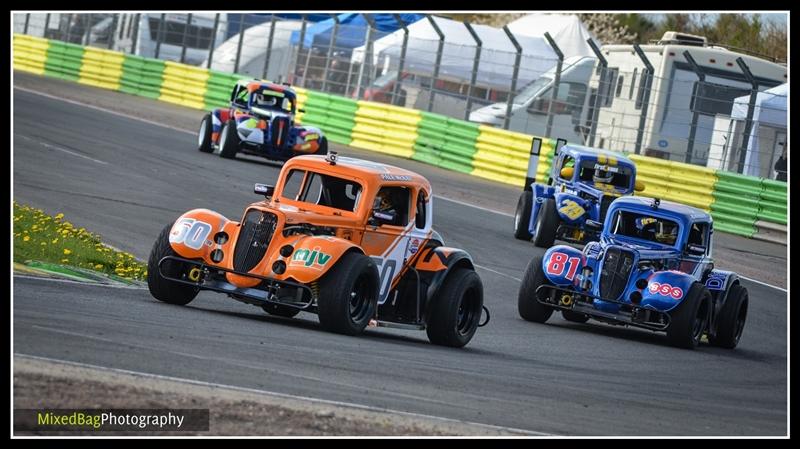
[665, 290]
[558, 261]
[190, 232]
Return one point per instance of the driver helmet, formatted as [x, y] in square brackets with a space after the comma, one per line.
[383, 202]
[666, 234]
[265, 100]
[602, 176]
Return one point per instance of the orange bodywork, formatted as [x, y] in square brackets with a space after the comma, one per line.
[197, 233]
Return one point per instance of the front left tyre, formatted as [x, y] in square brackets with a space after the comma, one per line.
[229, 140]
[689, 319]
[349, 294]
[164, 289]
[522, 216]
[204, 134]
[529, 308]
[455, 311]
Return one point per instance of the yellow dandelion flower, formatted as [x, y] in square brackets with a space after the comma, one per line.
[54, 241]
[67, 252]
[26, 238]
[98, 266]
[64, 260]
[59, 216]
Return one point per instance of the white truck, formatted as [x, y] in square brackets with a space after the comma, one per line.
[676, 94]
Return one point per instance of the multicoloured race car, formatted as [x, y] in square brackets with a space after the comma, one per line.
[347, 239]
[652, 268]
[260, 121]
[583, 182]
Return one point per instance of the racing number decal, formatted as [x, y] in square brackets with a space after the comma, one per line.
[665, 290]
[190, 232]
[571, 209]
[558, 262]
[387, 271]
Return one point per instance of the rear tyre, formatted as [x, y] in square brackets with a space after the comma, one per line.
[575, 317]
[455, 311]
[544, 234]
[228, 140]
[163, 289]
[204, 134]
[731, 318]
[689, 320]
[522, 216]
[349, 294]
[529, 308]
[279, 310]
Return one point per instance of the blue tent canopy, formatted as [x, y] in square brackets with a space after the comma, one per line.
[352, 29]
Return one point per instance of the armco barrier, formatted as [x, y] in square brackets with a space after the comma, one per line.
[64, 60]
[30, 53]
[735, 207]
[184, 85]
[385, 128]
[736, 202]
[502, 155]
[101, 68]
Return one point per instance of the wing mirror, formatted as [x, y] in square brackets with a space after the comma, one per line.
[380, 218]
[695, 250]
[301, 110]
[264, 189]
[594, 225]
[567, 172]
[638, 186]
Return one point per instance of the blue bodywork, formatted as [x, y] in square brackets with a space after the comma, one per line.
[629, 279]
[592, 198]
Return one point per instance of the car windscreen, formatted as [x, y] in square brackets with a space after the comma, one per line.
[269, 99]
[617, 176]
[644, 226]
[320, 189]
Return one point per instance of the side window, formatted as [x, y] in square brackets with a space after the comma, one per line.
[620, 80]
[698, 234]
[394, 201]
[644, 83]
[421, 211]
[607, 86]
[291, 188]
[633, 83]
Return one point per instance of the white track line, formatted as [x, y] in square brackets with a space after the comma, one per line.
[58, 148]
[109, 111]
[275, 394]
[497, 272]
[69, 281]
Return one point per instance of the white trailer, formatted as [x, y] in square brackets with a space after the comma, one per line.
[675, 95]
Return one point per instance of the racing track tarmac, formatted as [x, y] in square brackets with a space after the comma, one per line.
[126, 179]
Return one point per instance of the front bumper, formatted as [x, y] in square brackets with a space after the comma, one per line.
[257, 296]
[629, 314]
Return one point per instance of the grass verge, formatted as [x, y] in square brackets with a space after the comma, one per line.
[45, 238]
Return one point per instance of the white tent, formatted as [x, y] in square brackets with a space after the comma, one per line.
[254, 51]
[567, 30]
[458, 53]
[769, 111]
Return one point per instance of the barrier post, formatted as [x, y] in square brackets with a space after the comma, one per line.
[160, 35]
[136, 20]
[331, 44]
[69, 27]
[299, 47]
[515, 75]
[367, 54]
[402, 60]
[695, 115]
[46, 25]
[438, 59]
[648, 73]
[183, 41]
[27, 21]
[477, 60]
[269, 46]
[600, 84]
[213, 41]
[751, 106]
[556, 82]
[239, 47]
[112, 30]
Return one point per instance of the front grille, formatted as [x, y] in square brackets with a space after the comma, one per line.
[614, 275]
[605, 201]
[254, 238]
[279, 131]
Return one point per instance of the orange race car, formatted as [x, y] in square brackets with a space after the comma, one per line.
[347, 239]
